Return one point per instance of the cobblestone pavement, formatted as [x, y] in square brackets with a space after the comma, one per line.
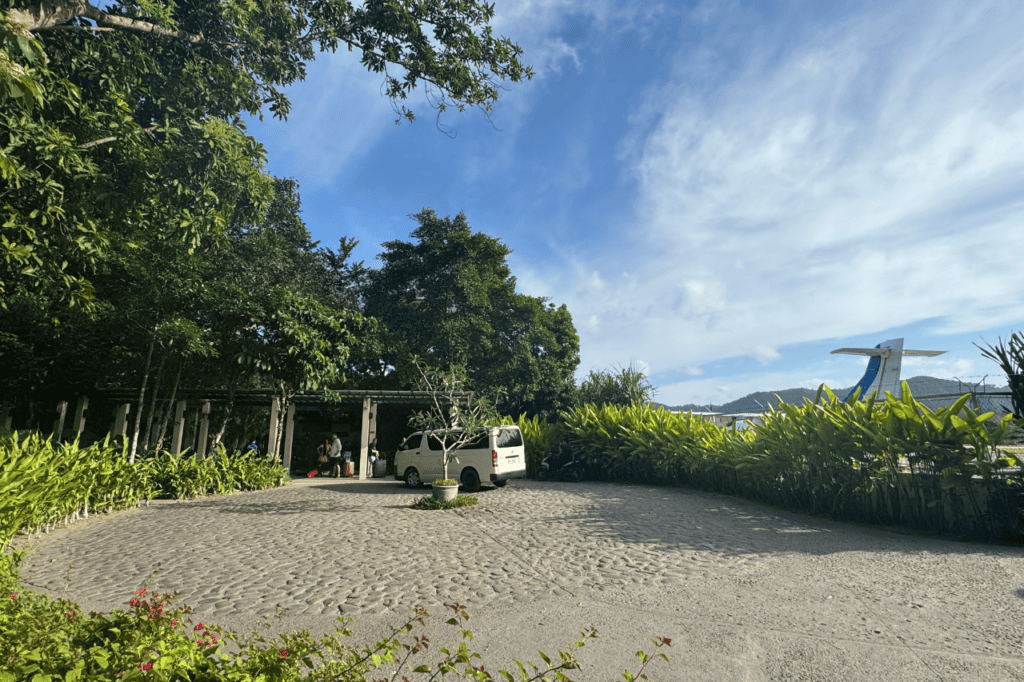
[763, 593]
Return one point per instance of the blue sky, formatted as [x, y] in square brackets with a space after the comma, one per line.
[720, 192]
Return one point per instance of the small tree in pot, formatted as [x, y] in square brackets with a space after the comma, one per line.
[455, 412]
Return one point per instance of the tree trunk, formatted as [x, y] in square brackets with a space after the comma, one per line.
[142, 398]
[282, 421]
[170, 409]
[232, 387]
[147, 438]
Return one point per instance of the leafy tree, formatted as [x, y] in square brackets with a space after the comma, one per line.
[455, 414]
[627, 386]
[125, 120]
[450, 299]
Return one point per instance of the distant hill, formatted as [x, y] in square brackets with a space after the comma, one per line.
[919, 386]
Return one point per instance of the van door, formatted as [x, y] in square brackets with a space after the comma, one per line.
[409, 455]
[433, 459]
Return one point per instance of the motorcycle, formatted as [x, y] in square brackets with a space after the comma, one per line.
[560, 464]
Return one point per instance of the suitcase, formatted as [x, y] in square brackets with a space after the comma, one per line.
[349, 469]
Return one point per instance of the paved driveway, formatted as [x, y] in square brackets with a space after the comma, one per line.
[745, 592]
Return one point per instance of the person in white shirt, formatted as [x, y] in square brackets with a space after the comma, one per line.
[334, 456]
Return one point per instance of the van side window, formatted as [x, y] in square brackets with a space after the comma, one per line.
[510, 438]
[412, 442]
[478, 443]
[435, 443]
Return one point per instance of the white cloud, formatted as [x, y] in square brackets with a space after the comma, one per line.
[338, 113]
[719, 390]
[765, 354]
[865, 177]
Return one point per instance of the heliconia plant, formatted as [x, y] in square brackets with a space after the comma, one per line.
[882, 459]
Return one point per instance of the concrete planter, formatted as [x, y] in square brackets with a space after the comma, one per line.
[445, 492]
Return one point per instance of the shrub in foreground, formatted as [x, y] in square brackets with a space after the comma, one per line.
[45, 639]
[431, 502]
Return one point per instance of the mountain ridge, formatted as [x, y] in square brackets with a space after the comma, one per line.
[762, 400]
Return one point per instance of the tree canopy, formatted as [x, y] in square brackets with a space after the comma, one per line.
[125, 121]
[450, 299]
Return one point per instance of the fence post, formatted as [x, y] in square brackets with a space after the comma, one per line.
[80, 407]
[364, 434]
[120, 420]
[275, 409]
[289, 434]
[204, 430]
[58, 422]
[178, 431]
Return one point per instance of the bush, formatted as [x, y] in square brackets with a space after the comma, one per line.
[43, 639]
[43, 483]
[891, 460]
[431, 502]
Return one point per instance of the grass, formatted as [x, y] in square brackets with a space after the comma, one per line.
[431, 502]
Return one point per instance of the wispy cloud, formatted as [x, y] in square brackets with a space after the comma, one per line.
[863, 176]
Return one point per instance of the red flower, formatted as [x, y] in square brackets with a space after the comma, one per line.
[71, 614]
[134, 602]
[14, 595]
[284, 653]
[213, 639]
[174, 622]
[146, 666]
[199, 627]
[141, 591]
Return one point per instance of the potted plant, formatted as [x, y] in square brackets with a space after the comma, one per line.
[453, 415]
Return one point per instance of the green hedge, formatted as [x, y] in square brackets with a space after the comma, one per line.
[890, 461]
[43, 483]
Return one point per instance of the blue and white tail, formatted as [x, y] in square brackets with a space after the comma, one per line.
[883, 372]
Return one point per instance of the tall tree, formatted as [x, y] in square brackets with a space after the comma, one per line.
[449, 298]
[125, 119]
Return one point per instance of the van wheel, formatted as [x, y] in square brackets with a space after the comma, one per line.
[470, 480]
[412, 478]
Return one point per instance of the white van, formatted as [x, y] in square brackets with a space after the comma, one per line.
[493, 457]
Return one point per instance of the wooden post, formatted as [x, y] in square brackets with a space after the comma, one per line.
[372, 435]
[80, 407]
[58, 422]
[289, 434]
[275, 409]
[5, 417]
[178, 430]
[363, 442]
[204, 430]
[120, 420]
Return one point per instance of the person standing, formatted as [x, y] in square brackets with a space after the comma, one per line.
[373, 456]
[335, 456]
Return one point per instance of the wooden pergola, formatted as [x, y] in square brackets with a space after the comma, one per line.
[201, 400]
